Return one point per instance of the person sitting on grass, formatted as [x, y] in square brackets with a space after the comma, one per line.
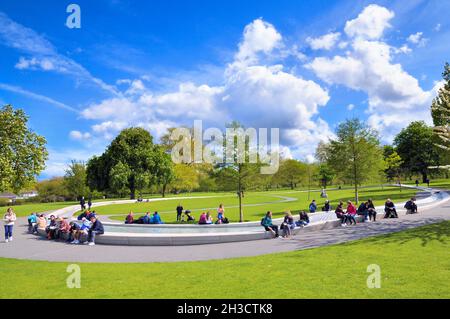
[371, 210]
[209, 219]
[389, 209]
[51, 228]
[156, 219]
[363, 211]
[84, 230]
[32, 221]
[411, 207]
[146, 219]
[266, 222]
[350, 213]
[130, 218]
[304, 219]
[202, 219]
[95, 230]
[313, 206]
[64, 228]
[288, 224]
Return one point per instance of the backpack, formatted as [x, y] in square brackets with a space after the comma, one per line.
[225, 221]
[262, 221]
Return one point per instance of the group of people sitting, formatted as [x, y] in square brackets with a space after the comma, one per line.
[346, 215]
[207, 219]
[147, 219]
[87, 227]
[287, 226]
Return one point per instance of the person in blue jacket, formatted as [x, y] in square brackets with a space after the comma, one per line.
[156, 219]
[313, 206]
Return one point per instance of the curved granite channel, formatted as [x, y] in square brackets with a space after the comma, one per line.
[174, 235]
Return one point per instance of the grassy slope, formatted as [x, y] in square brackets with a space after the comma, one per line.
[167, 208]
[414, 264]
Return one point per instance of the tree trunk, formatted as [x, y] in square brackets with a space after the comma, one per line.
[241, 212]
[132, 193]
[424, 176]
[164, 190]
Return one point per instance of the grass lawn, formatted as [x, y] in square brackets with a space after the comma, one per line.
[26, 209]
[274, 201]
[414, 264]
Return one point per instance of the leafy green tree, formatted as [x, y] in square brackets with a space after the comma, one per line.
[440, 111]
[22, 152]
[119, 176]
[415, 146]
[356, 153]
[291, 172]
[142, 160]
[393, 163]
[75, 180]
[52, 190]
[186, 178]
[324, 174]
[164, 170]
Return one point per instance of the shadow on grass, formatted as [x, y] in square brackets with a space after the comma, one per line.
[439, 232]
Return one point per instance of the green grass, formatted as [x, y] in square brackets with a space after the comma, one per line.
[26, 209]
[269, 201]
[434, 183]
[414, 264]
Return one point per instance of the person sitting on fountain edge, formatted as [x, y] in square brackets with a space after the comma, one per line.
[266, 222]
[389, 209]
[411, 206]
[96, 229]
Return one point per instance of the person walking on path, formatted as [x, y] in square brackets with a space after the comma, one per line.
[179, 212]
[82, 203]
[8, 219]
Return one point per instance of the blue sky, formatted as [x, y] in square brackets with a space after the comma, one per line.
[301, 66]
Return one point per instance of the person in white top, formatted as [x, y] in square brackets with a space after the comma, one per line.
[8, 219]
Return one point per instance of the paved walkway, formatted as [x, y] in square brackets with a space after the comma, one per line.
[26, 246]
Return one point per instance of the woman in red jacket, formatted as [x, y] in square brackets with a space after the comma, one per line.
[351, 213]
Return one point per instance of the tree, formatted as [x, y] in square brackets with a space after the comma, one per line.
[52, 190]
[239, 172]
[393, 163]
[164, 170]
[119, 178]
[22, 152]
[440, 111]
[186, 178]
[291, 172]
[356, 153]
[324, 174]
[75, 180]
[415, 146]
[133, 154]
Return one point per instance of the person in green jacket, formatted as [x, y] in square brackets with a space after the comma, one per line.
[266, 222]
